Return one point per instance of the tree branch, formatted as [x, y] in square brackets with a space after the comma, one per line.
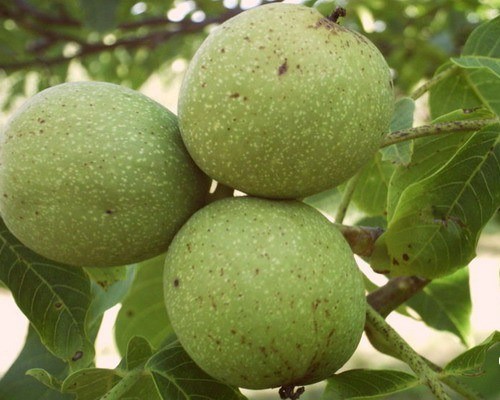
[437, 129]
[150, 40]
[394, 293]
[360, 238]
[28, 10]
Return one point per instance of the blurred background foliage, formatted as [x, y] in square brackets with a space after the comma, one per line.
[128, 41]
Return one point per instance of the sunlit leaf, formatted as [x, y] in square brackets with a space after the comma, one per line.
[54, 297]
[436, 223]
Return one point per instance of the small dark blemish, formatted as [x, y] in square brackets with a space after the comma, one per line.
[234, 96]
[109, 211]
[283, 67]
[129, 313]
[395, 262]
[176, 282]
[78, 355]
[406, 257]
[58, 305]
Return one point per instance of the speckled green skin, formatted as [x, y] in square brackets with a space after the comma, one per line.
[264, 293]
[281, 102]
[94, 174]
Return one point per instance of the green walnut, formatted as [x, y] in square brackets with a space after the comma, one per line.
[282, 102]
[264, 293]
[94, 174]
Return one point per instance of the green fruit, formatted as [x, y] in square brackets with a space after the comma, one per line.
[94, 174]
[281, 102]
[264, 293]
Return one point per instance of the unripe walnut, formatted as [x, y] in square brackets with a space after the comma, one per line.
[264, 293]
[282, 102]
[95, 174]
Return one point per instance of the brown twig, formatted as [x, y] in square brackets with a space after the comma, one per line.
[40, 23]
[394, 293]
[360, 238]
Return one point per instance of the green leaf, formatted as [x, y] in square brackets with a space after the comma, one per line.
[484, 40]
[482, 48]
[100, 15]
[472, 360]
[91, 383]
[17, 385]
[54, 297]
[367, 384]
[400, 153]
[143, 310]
[45, 377]
[465, 114]
[326, 201]
[164, 375]
[437, 220]
[445, 304]
[472, 86]
[486, 382]
[107, 277]
[493, 64]
[486, 85]
[454, 92]
[178, 377]
[108, 289]
[430, 154]
[138, 352]
[370, 195]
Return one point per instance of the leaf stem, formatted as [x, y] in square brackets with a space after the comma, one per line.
[123, 386]
[434, 81]
[436, 129]
[346, 198]
[405, 352]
